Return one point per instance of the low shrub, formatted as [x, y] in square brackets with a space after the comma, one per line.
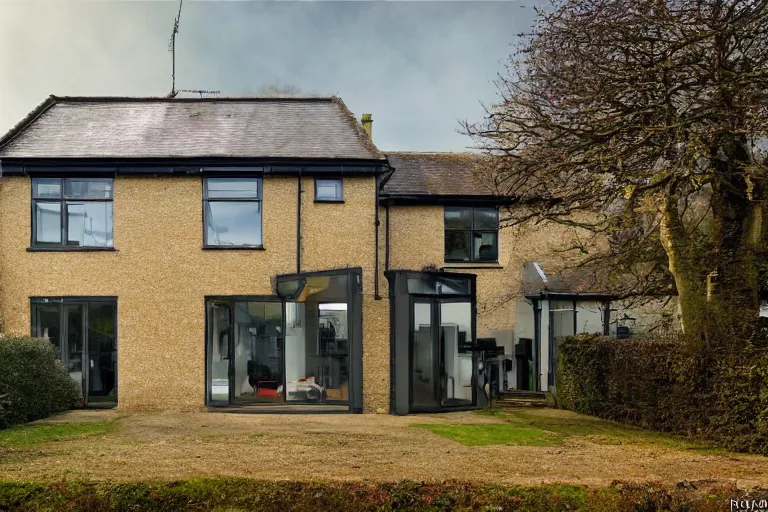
[33, 381]
[663, 384]
[291, 496]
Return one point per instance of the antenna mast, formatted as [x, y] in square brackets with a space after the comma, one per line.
[172, 49]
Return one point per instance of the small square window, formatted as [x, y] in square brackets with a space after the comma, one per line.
[471, 234]
[329, 190]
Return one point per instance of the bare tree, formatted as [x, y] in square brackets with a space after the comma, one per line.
[640, 120]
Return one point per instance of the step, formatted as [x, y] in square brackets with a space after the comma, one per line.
[512, 404]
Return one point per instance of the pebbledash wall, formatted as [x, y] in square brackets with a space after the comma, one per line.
[161, 274]
[417, 240]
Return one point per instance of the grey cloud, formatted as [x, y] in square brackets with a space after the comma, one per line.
[418, 67]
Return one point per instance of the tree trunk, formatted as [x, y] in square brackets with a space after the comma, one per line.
[690, 280]
[738, 235]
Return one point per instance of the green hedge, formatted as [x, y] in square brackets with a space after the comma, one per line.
[283, 496]
[33, 382]
[662, 384]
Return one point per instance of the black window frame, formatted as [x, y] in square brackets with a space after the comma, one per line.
[472, 231]
[62, 200]
[259, 199]
[64, 350]
[341, 190]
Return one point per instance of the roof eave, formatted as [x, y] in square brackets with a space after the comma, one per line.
[445, 199]
[548, 294]
[26, 121]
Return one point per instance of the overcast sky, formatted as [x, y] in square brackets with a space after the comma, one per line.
[418, 67]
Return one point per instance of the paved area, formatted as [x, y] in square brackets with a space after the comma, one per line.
[350, 447]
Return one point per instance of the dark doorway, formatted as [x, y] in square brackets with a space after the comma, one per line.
[84, 333]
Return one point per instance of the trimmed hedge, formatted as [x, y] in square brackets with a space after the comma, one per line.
[663, 384]
[33, 382]
[282, 496]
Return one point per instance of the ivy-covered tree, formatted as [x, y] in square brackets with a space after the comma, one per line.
[643, 121]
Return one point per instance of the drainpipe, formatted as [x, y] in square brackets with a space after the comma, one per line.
[386, 241]
[386, 231]
[298, 225]
[376, 295]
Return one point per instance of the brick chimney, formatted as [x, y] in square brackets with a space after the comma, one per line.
[367, 121]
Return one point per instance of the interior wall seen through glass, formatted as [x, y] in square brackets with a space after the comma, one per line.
[317, 342]
[456, 339]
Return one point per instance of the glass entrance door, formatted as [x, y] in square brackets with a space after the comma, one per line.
[102, 354]
[245, 351]
[441, 357]
[426, 385]
[84, 334]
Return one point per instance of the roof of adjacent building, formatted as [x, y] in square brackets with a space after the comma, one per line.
[569, 281]
[436, 174]
[126, 127]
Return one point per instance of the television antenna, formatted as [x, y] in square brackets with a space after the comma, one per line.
[172, 49]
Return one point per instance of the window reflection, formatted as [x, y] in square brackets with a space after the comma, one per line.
[48, 223]
[232, 212]
[85, 202]
[89, 224]
[234, 223]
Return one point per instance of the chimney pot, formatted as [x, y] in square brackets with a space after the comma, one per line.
[367, 122]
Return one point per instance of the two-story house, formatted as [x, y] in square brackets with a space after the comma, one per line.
[192, 253]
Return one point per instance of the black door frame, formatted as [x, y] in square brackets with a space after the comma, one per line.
[354, 330]
[230, 302]
[85, 302]
[439, 364]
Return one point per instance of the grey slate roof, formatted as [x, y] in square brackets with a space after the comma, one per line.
[104, 127]
[578, 281]
[437, 174]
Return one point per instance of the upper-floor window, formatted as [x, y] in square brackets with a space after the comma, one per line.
[232, 212]
[471, 234]
[328, 190]
[72, 212]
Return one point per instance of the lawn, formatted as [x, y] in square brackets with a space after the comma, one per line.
[27, 436]
[532, 427]
[484, 434]
[516, 448]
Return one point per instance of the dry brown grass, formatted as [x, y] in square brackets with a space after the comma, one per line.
[352, 447]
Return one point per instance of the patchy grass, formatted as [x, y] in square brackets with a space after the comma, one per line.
[493, 433]
[597, 430]
[543, 427]
[299, 496]
[25, 436]
[375, 448]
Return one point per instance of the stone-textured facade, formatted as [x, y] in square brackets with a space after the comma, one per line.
[161, 275]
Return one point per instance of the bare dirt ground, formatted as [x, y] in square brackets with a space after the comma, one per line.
[351, 447]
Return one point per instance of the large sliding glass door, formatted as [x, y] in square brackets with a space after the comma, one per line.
[297, 348]
[84, 333]
[244, 351]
